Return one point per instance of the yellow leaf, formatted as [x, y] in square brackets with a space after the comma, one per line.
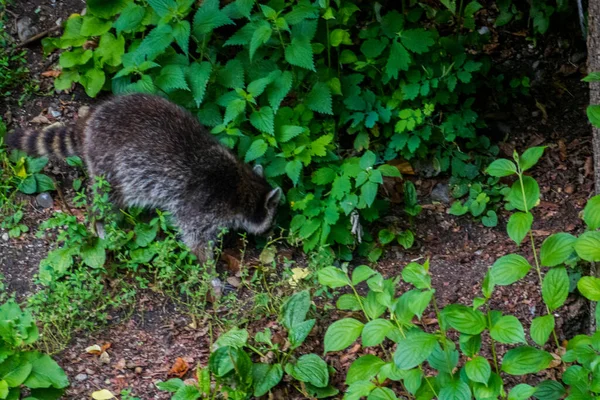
[20, 168]
[103, 394]
[297, 275]
[95, 349]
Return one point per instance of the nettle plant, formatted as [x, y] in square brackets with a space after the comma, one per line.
[236, 376]
[430, 364]
[320, 93]
[20, 369]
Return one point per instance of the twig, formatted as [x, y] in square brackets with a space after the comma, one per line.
[39, 36]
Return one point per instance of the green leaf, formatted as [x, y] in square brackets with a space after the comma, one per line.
[93, 81]
[386, 236]
[502, 167]
[589, 286]
[261, 35]
[198, 75]
[399, 60]
[557, 248]
[43, 183]
[342, 334]
[508, 330]
[105, 8]
[593, 113]
[181, 34]
[257, 149]
[94, 254]
[323, 176]
[45, 372]
[389, 170]
[145, 234]
[382, 393]
[518, 226]
[555, 288]
[532, 194]
[298, 334]
[525, 360]
[333, 277]
[541, 328]
[300, 54]
[312, 369]
[406, 239]
[364, 369]
[464, 319]
[348, 302]
[522, 391]
[414, 349]
[295, 309]
[130, 18]
[361, 274]
[171, 77]
[187, 392]
[163, 7]
[490, 219]
[69, 59]
[155, 43]
[375, 331]
[591, 213]
[110, 49]
[478, 369]
[458, 209]
[14, 370]
[549, 390]
[417, 275]
[263, 120]
[209, 17]
[530, 157]
[266, 377]
[93, 26]
[279, 89]
[417, 40]
[232, 76]
[319, 99]
[293, 170]
[235, 337]
[172, 385]
[587, 246]
[368, 192]
[4, 390]
[509, 269]
[455, 390]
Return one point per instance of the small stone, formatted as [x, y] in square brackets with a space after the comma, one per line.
[81, 377]
[104, 358]
[83, 111]
[440, 193]
[40, 119]
[138, 370]
[44, 200]
[54, 112]
[569, 189]
[484, 30]
[5, 237]
[25, 29]
[234, 281]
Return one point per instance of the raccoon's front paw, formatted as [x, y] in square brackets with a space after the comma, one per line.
[99, 230]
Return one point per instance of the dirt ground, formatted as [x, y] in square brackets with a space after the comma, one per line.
[144, 347]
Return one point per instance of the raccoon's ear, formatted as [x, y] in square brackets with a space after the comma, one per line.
[259, 170]
[273, 198]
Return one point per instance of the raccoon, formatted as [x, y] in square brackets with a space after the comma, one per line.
[155, 154]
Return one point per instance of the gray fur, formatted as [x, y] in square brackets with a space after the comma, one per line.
[155, 154]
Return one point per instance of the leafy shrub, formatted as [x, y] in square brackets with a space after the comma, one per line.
[20, 368]
[322, 94]
[237, 377]
[388, 317]
[482, 201]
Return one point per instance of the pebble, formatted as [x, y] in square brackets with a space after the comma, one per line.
[138, 370]
[440, 193]
[81, 377]
[54, 112]
[40, 119]
[25, 29]
[44, 200]
[5, 237]
[483, 30]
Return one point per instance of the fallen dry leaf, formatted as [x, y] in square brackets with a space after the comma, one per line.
[179, 368]
[95, 349]
[233, 264]
[562, 149]
[51, 73]
[103, 394]
[234, 281]
[104, 358]
[403, 166]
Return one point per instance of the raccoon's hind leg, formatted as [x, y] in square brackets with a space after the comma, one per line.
[197, 233]
[100, 207]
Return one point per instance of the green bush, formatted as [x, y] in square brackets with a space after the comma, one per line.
[322, 94]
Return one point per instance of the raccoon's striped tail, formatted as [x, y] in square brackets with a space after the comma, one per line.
[60, 141]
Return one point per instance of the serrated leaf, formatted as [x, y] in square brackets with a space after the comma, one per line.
[417, 40]
[171, 77]
[300, 54]
[155, 42]
[293, 170]
[181, 34]
[105, 8]
[130, 18]
[263, 120]
[319, 99]
[256, 150]
[261, 35]
[209, 17]
[93, 26]
[232, 76]
[198, 75]
[277, 90]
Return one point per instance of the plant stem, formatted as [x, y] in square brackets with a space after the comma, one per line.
[492, 341]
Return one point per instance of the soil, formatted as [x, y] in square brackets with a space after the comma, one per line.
[144, 347]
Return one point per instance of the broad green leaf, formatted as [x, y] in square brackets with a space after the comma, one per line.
[234, 337]
[417, 40]
[263, 120]
[368, 192]
[375, 331]
[502, 167]
[362, 273]
[333, 277]
[209, 17]
[414, 349]
[130, 18]
[348, 302]
[295, 309]
[464, 319]
[386, 236]
[93, 26]
[300, 54]
[198, 75]
[587, 246]
[531, 190]
[171, 77]
[589, 286]
[555, 287]
[110, 49]
[94, 254]
[181, 34]
[43, 183]
[549, 390]
[14, 370]
[508, 330]
[525, 360]
[293, 170]
[266, 377]
[519, 225]
[389, 170]
[69, 59]
[444, 360]
[319, 99]
[591, 213]
[522, 391]
[172, 385]
[342, 334]
[470, 344]
[541, 328]
[530, 157]
[490, 219]
[509, 269]
[398, 60]
[105, 8]
[257, 149]
[45, 372]
[364, 368]
[298, 334]
[556, 249]
[478, 369]
[455, 390]
[312, 369]
[261, 35]
[417, 275]
[382, 393]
